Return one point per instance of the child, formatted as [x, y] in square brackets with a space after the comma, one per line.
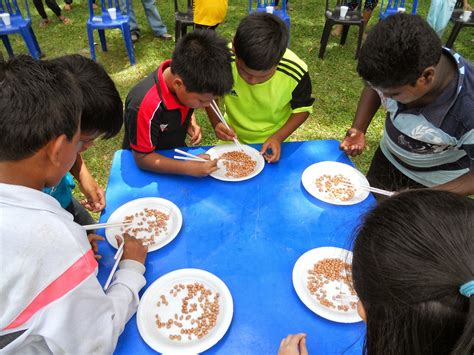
[52, 301]
[420, 297]
[101, 117]
[271, 96]
[53, 5]
[159, 109]
[427, 91]
[208, 14]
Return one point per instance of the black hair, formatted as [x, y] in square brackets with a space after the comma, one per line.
[411, 255]
[397, 50]
[102, 106]
[37, 105]
[261, 40]
[202, 60]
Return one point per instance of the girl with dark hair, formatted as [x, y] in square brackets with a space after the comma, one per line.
[413, 271]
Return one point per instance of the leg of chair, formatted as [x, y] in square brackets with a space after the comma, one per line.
[453, 35]
[25, 33]
[8, 46]
[103, 43]
[90, 36]
[345, 31]
[325, 38]
[177, 30]
[128, 43]
[35, 42]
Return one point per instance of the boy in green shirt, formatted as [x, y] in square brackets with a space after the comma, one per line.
[271, 96]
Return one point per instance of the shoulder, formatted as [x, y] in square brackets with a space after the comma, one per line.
[136, 95]
[292, 66]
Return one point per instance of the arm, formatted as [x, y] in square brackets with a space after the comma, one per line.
[160, 164]
[273, 142]
[369, 103]
[95, 197]
[463, 185]
[194, 131]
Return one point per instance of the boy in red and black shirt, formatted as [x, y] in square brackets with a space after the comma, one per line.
[159, 109]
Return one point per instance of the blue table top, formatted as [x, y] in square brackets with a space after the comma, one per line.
[250, 235]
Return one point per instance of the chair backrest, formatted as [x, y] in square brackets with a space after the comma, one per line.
[11, 6]
[261, 5]
[122, 8]
[189, 8]
[393, 6]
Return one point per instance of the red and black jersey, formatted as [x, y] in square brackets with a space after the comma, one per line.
[154, 118]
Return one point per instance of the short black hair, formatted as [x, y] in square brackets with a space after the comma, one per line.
[261, 40]
[102, 111]
[397, 50]
[202, 59]
[37, 105]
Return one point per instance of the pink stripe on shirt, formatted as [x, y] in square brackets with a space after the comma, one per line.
[68, 280]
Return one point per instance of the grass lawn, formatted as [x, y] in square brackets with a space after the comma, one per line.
[336, 85]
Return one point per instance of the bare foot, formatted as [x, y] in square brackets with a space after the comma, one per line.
[67, 7]
[94, 6]
[64, 20]
[337, 31]
[44, 22]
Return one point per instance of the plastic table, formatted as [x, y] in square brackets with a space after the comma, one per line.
[250, 235]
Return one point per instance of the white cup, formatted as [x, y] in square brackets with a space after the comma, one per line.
[401, 9]
[343, 12]
[466, 15]
[6, 18]
[113, 13]
[269, 9]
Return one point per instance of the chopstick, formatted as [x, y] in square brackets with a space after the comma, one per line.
[119, 250]
[180, 157]
[189, 155]
[216, 110]
[371, 189]
[88, 227]
[117, 261]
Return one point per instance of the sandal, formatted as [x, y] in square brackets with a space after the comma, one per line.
[44, 22]
[64, 20]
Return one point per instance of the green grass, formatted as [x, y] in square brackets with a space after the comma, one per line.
[336, 85]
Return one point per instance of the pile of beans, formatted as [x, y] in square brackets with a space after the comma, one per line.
[326, 271]
[336, 187]
[146, 225]
[198, 315]
[238, 164]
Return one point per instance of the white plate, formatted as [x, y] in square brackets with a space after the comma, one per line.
[315, 171]
[300, 274]
[136, 206]
[218, 150]
[158, 339]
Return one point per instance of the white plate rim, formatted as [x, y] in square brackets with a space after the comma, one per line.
[206, 342]
[299, 283]
[308, 178]
[115, 217]
[219, 149]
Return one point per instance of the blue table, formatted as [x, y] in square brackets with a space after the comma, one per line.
[250, 235]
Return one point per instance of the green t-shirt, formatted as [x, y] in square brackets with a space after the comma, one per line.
[256, 112]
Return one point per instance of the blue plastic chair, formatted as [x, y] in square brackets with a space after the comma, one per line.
[393, 6]
[103, 22]
[261, 6]
[19, 24]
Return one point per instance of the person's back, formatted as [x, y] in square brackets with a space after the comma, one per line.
[51, 298]
[271, 96]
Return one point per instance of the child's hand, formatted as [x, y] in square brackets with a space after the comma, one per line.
[293, 344]
[93, 238]
[194, 131]
[133, 248]
[271, 150]
[353, 143]
[199, 169]
[223, 133]
[95, 196]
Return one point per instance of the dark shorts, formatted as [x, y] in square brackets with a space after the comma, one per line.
[384, 175]
[81, 215]
[369, 5]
